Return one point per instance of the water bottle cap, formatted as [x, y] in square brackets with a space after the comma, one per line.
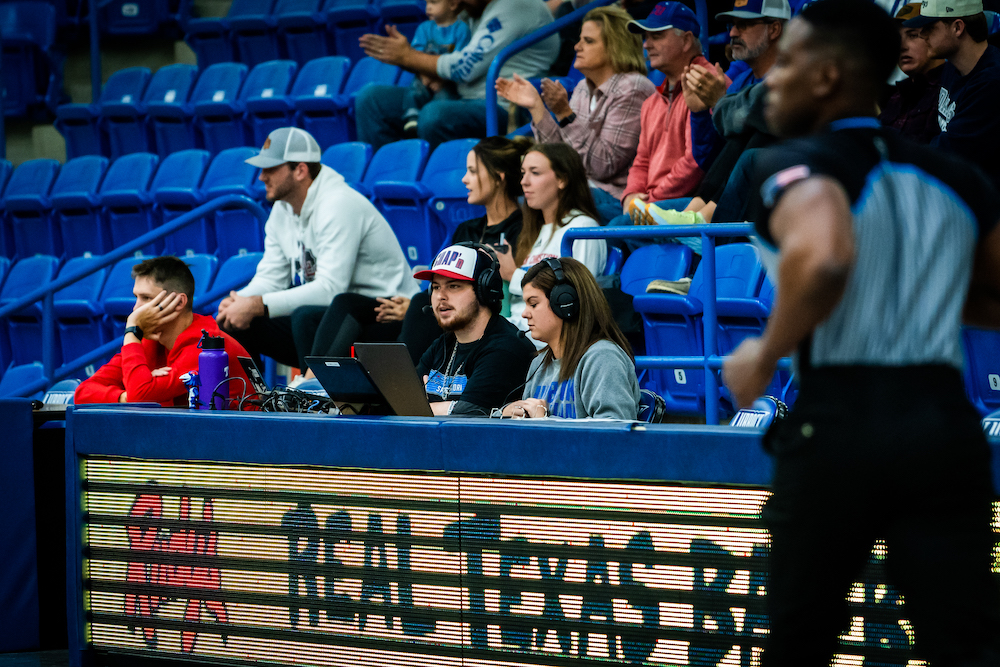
[209, 342]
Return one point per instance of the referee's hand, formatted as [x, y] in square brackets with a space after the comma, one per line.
[746, 373]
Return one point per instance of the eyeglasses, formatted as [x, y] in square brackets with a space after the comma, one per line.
[745, 24]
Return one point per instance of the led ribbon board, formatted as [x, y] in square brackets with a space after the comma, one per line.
[286, 565]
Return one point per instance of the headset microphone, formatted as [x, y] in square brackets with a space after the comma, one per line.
[427, 309]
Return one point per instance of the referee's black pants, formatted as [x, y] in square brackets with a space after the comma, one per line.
[890, 453]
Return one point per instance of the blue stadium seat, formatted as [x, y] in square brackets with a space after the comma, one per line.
[673, 322]
[135, 17]
[743, 317]
[203, 268]
[17, 377]
[316, 99]
[253, 31]
[176, 190]
[32, 80]
[4, 340]
[234, 274]
[347, 20]
[981, 348]
[210, 38]
[76, 207]
[218, 109]
[392, 178]
[407, 205]
[29, 211]
[350, 159]
[124, 122]
[78, 310]
[615, 260]
[333, 119]
[62, 392]
[236, 230]
[406, 15]
[168, 109]
[302, 30]
[449, 203]
[84, 126]
[6, 233]
[25, 325]
[126, 198]
[263, 95]
[117, 299]
[648, 263]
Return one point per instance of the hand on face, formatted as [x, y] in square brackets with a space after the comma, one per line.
[156, 313]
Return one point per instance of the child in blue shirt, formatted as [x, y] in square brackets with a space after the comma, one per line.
[443, 33]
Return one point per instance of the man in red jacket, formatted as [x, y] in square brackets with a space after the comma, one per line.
[161, 342]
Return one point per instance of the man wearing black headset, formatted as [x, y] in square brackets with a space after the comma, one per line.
[482, 358]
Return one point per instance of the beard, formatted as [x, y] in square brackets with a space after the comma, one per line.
[743, 51]
[459, 318]
[282, 190]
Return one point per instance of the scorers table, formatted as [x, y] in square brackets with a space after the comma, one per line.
[246, 538]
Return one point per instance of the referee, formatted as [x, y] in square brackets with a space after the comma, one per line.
[883, 248]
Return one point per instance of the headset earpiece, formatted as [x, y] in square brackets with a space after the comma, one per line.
[489, 283]
[563, 299]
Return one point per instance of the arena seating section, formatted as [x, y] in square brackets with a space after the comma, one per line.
[156, 145]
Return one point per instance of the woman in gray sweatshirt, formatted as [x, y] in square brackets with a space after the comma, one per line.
[587, 370]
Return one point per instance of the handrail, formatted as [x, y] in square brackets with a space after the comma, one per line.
[701, 10]
[710, 361]
[46, 292]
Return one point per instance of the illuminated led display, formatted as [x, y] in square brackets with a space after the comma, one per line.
[333, 567]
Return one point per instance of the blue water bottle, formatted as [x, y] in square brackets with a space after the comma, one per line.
[213, 368]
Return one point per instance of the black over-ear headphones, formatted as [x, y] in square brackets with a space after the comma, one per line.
[563, 299]
[488, 284]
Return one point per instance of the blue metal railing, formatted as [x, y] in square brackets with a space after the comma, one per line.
[710, 361]
[701, 10]
[46, 293]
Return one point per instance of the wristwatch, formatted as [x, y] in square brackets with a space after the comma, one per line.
[135, 331]
[567, 120]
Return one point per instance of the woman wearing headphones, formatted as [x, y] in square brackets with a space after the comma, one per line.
[556, 199]
[587, 370]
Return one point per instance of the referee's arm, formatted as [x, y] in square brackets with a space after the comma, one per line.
[982, 307]
[812, 227]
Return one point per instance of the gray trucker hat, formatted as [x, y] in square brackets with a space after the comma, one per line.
[286, 144]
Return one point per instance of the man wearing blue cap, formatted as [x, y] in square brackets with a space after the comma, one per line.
[970, 84]
[675, 145]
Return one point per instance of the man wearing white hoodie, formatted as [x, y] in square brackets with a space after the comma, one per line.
[322, 238]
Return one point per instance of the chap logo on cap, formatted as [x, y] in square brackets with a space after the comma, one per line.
[449, 259]
[659, 9]
[267, 143]
[740, 3]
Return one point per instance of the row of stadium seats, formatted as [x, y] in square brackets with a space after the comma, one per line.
[119, 17]
[226, 106]
[258, 30]
[91, 206]
[92, 311]
[32, 75]
[673, 323]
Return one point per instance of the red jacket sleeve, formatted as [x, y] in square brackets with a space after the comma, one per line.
[104, 386]
[142, 387]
